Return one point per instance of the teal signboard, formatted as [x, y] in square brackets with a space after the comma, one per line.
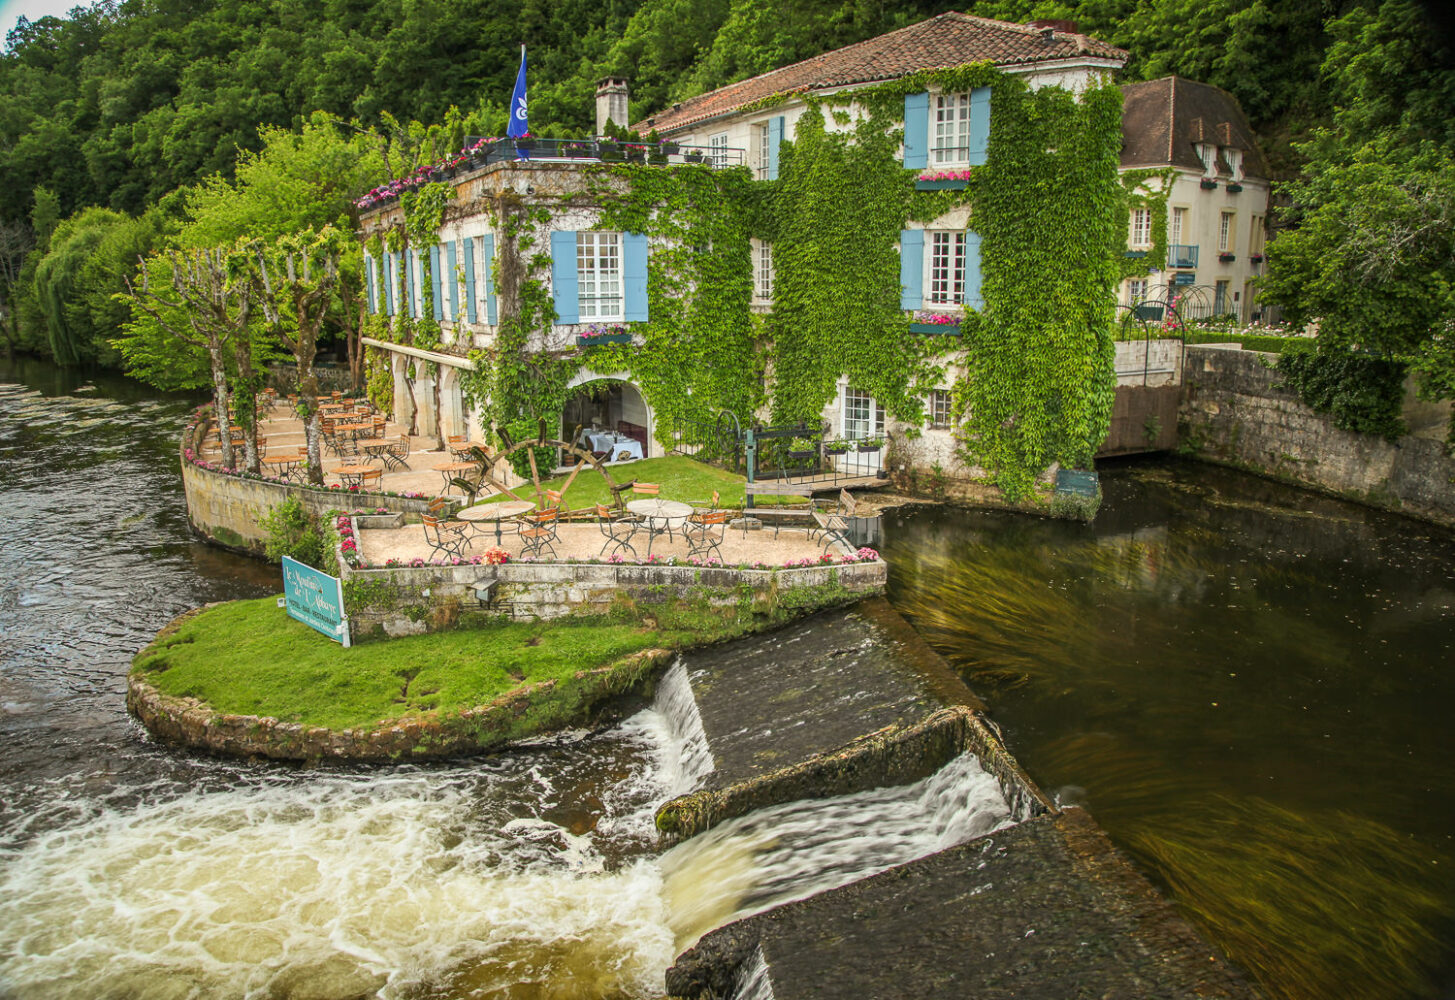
[316, 599]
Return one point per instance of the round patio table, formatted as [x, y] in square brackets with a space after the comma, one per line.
[283, 465]
[450, 469]
[496, 512]
[659, 515]
[352, 475]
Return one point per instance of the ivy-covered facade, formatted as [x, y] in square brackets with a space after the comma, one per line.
[934, 257]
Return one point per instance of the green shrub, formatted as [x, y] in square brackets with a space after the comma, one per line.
[1362, 393]
[293, 531]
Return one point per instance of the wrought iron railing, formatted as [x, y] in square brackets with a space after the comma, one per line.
[486, 151]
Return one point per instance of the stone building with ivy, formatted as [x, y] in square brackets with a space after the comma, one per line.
[921, 236]
[1217, 200]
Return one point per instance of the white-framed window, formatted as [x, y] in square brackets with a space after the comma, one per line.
[1256, 236]
[598, 277]
[1176, 226]
[862, 417]
[1221, 303]
[763, 272]
[372, 284]
[952, 128]
[482, 270]
[1234, 159]
[1136, 290]
[416, 281]
[947, 268]
[941, 408]
[1225, 232]
[448, 276]
[1141, 228]
[760, 132]
[717, 149]
[1208, 154]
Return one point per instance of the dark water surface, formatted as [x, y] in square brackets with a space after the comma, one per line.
[1249, 686]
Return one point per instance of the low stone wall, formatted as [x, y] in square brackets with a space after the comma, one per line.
[228, 509]
[1235, 412]
[414, 600]
[189, 722]
[331, 378]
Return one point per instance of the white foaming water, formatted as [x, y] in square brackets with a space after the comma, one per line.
[754, 984]
[798, 849]
[528, 874]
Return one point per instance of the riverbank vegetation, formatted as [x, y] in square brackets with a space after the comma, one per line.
[249, 658]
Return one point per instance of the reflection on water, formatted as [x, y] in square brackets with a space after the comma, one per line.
[1248, 687]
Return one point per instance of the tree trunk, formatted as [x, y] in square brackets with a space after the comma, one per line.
[308, 410]
[219, 401]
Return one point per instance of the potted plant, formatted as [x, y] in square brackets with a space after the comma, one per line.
[609, 150]
[870, 444]
[836, 447]
[694, 156]
[1209, 184]
[801, 448]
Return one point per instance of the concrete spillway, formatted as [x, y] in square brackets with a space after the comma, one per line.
[1043, 907]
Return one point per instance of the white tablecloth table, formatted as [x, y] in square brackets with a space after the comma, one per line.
[615, 445]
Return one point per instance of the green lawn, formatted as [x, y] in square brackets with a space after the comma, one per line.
[250, 658]
[680, 479]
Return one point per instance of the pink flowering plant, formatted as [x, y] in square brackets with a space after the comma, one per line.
[945, 175]
[937, 319]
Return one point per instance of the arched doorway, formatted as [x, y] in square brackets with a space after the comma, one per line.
[610, 411]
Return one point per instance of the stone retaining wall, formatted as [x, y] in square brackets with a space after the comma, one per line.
[414, 600]
[228, 509]
[1235, 412]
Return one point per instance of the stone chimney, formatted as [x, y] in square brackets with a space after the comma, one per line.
[610, 103]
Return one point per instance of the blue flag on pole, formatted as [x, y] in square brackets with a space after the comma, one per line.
[518, 125]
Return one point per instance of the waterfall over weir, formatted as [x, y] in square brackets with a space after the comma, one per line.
[530, 873]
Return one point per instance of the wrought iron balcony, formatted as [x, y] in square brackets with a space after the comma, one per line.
[600, 151]
[1181, 255]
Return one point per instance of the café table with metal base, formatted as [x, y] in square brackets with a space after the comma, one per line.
[496, 512]
[659, 515]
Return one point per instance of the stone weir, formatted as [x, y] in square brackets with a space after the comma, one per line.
[854, 699]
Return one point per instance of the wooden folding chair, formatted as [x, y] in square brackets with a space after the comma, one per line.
[540, 531]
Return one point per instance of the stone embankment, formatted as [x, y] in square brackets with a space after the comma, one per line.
[1235, 412]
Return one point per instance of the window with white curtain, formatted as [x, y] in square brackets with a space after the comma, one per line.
[952, 128]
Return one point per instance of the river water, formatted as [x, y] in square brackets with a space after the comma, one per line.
[1250, 688]
[130, 870]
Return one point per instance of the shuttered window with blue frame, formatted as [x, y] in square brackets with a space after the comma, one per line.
[608, 271]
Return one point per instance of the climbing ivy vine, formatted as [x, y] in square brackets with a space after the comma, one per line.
[1034, 367]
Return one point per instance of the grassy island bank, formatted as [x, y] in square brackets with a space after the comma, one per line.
[244, 678]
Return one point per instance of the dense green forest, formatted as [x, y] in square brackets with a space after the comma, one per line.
[130, 127]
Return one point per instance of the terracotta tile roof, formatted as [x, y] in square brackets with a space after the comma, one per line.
[1162, 120]
[951, 39]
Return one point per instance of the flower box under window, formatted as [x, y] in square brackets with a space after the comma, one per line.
[1208, 184]
[943, 329]
[1257, 258]
[1227, 258]
[940, 185]
[1135, 253]
[1234, 188]
[596, 340]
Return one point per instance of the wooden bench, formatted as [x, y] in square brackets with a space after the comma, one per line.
[835, 524]
[779, 514]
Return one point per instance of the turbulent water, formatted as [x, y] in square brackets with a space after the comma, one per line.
[130, 870]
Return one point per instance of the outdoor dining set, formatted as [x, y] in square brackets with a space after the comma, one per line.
[646, 518]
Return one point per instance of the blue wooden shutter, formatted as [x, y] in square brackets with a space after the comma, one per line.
[469, 248]
[563, 277]
[634, 276]
[775, 137]
[410, 309]
[369, 283]
[391, 275]
[436, 286]
[452, 273]
[916, 131]
[973, 299]
[488, 243]
[979, 125]
[911, 268]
